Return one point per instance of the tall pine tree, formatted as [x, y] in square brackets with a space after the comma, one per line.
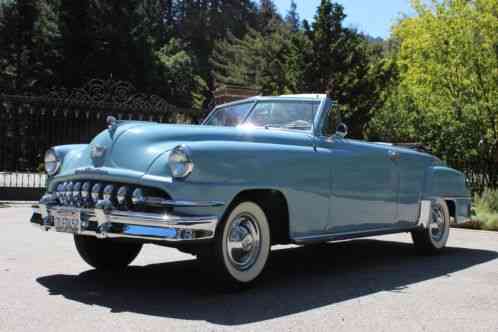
[292, 17]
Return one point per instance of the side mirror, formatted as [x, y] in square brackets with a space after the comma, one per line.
[341, 130]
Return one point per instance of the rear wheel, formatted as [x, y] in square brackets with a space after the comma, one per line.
[105, 254]
[242, 245]
[433, 239]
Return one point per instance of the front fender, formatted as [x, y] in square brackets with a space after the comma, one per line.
[224, 169]
[67, 153]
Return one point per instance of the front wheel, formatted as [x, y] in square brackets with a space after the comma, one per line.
[105, 254]
[433, 239]
[242, 245]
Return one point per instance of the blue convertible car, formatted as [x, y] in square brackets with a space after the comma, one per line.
[257, 172]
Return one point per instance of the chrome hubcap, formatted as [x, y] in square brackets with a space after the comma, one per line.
[243, 242]
[437, 225]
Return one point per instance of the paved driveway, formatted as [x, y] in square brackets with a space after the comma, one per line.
[375, 284]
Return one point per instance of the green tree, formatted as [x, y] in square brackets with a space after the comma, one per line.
[27, 28]
[181, 85]
[268, 16]
[325, 56]
[292, 18]
[258, 61]
[348, 66]
[328, 38]
[448, 82]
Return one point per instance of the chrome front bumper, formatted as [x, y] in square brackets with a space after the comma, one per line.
[103, 221]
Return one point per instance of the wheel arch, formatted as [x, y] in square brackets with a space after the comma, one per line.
[274, 204]
[450, 203]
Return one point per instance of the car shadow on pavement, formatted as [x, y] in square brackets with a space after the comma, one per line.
[296, 280]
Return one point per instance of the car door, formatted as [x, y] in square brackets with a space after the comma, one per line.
[364, 184]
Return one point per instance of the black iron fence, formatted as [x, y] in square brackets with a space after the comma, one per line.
[479, 175]
[30, 124]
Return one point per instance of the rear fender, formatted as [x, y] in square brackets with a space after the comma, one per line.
[450, 185]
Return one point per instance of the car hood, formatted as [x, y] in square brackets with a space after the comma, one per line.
[136, 145]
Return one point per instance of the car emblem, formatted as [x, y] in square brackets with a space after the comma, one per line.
[98, 151]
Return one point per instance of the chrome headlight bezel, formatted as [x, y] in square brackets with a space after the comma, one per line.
[52, 162]
[180, 162]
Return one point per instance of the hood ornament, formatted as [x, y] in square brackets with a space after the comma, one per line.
[112, 123]
[97, 151]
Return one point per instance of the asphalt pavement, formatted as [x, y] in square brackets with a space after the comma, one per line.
[374, 284]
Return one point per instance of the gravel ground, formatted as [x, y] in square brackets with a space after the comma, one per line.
[375, 284]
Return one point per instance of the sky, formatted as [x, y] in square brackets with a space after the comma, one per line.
[374, 17]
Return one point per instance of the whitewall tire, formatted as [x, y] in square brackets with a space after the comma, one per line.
[242, 244]
[434, 238]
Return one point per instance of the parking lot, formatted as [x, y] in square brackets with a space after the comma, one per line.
[374, 284]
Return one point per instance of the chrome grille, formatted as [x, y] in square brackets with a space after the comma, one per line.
[86, 193]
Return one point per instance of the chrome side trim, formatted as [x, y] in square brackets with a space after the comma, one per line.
[159, 201]
[157, 178]
[424, 213]
[452, 197]
[345, 235]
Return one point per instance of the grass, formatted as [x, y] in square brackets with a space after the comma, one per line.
[486, 220]
[486, 211]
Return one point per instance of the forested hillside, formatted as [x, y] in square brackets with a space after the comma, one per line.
[179, 49]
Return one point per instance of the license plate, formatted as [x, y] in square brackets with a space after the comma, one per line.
[67, 221]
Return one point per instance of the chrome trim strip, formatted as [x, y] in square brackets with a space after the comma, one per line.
[162, 202]
[335, 236]
[448, 198]
[166, 179]
[159, 201]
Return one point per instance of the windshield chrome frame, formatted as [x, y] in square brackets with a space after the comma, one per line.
[323, 102]
[325, 107]
[233, 103]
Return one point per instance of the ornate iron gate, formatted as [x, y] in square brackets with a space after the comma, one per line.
[29, 124]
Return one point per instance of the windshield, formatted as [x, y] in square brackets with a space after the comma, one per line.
[229, 116]
[284, 114]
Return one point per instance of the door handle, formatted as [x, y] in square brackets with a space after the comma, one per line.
[393, 155]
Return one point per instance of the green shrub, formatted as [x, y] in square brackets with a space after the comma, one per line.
[488, 200]
[486, 207]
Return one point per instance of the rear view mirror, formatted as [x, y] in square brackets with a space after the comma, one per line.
[341, 130]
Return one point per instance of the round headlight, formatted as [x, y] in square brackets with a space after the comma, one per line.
[179, 162]
[52, 162]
